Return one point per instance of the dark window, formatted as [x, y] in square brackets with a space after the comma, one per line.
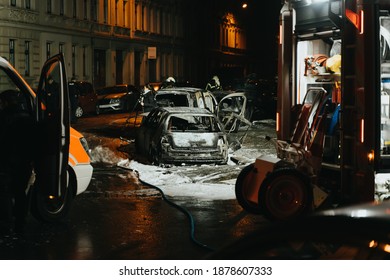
[84, 61]
[27, 58]
[12, 51]
[48, 6]
[105, 11]
[61, 47]
[73, 60]
[74, 8]
[93, 10]
[48, 50]
[85, 9]
[13, 3]
[61, 7]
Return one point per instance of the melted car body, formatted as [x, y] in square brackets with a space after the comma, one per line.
[182, 135]
[186, 97]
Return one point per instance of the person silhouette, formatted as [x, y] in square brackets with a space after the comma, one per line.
[17, 146]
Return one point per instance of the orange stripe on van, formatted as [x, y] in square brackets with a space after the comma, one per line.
[77, 154]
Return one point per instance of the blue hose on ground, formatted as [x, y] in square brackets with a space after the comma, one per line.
[183, 210]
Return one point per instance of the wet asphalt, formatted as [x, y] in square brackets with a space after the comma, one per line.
[119, 218]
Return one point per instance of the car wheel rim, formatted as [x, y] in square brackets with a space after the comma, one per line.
[79, 112]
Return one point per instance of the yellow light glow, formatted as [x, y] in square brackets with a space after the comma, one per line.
[277, 122]
[386, 248]
[373, 244]
[52, 197]
[245, 5]
[361, 22]
[280, 34]
[362, 130]
[371, 156]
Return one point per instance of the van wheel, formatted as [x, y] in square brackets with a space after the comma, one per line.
[51, 210]
[79, 112]
[285, 194]
[242, 187]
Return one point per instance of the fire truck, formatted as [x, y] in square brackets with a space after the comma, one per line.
[333, 111]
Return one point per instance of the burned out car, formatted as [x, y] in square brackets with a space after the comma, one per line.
[186, 97]
[182, 135]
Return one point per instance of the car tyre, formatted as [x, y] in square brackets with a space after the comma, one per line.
[285, 194]
[51, 210]
[241, 189]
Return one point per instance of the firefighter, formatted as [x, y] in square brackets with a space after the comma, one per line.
[169, 83]
[214, 84]
[149, 98]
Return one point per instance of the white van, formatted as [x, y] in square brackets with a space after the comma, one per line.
[64, 167]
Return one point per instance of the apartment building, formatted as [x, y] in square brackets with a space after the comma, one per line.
[109, 42]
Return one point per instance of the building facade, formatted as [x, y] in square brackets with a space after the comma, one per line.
[110, 42]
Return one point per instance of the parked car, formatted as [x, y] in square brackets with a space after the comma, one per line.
[121, 98]
[182, 135]
[85, 98]
[63, 168]
[354, 232]
[186, 97]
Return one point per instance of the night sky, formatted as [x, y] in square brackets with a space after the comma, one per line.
[263, 30]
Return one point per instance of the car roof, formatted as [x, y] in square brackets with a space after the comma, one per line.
[179, 90]
[79, 83]
[190, 110]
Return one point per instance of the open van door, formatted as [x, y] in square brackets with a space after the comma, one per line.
[51, 197]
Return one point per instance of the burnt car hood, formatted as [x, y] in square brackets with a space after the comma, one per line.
[112, 95]
[194, 140]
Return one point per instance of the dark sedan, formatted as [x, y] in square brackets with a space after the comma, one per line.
[121, 98]
[182, 135]
[85, 98]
